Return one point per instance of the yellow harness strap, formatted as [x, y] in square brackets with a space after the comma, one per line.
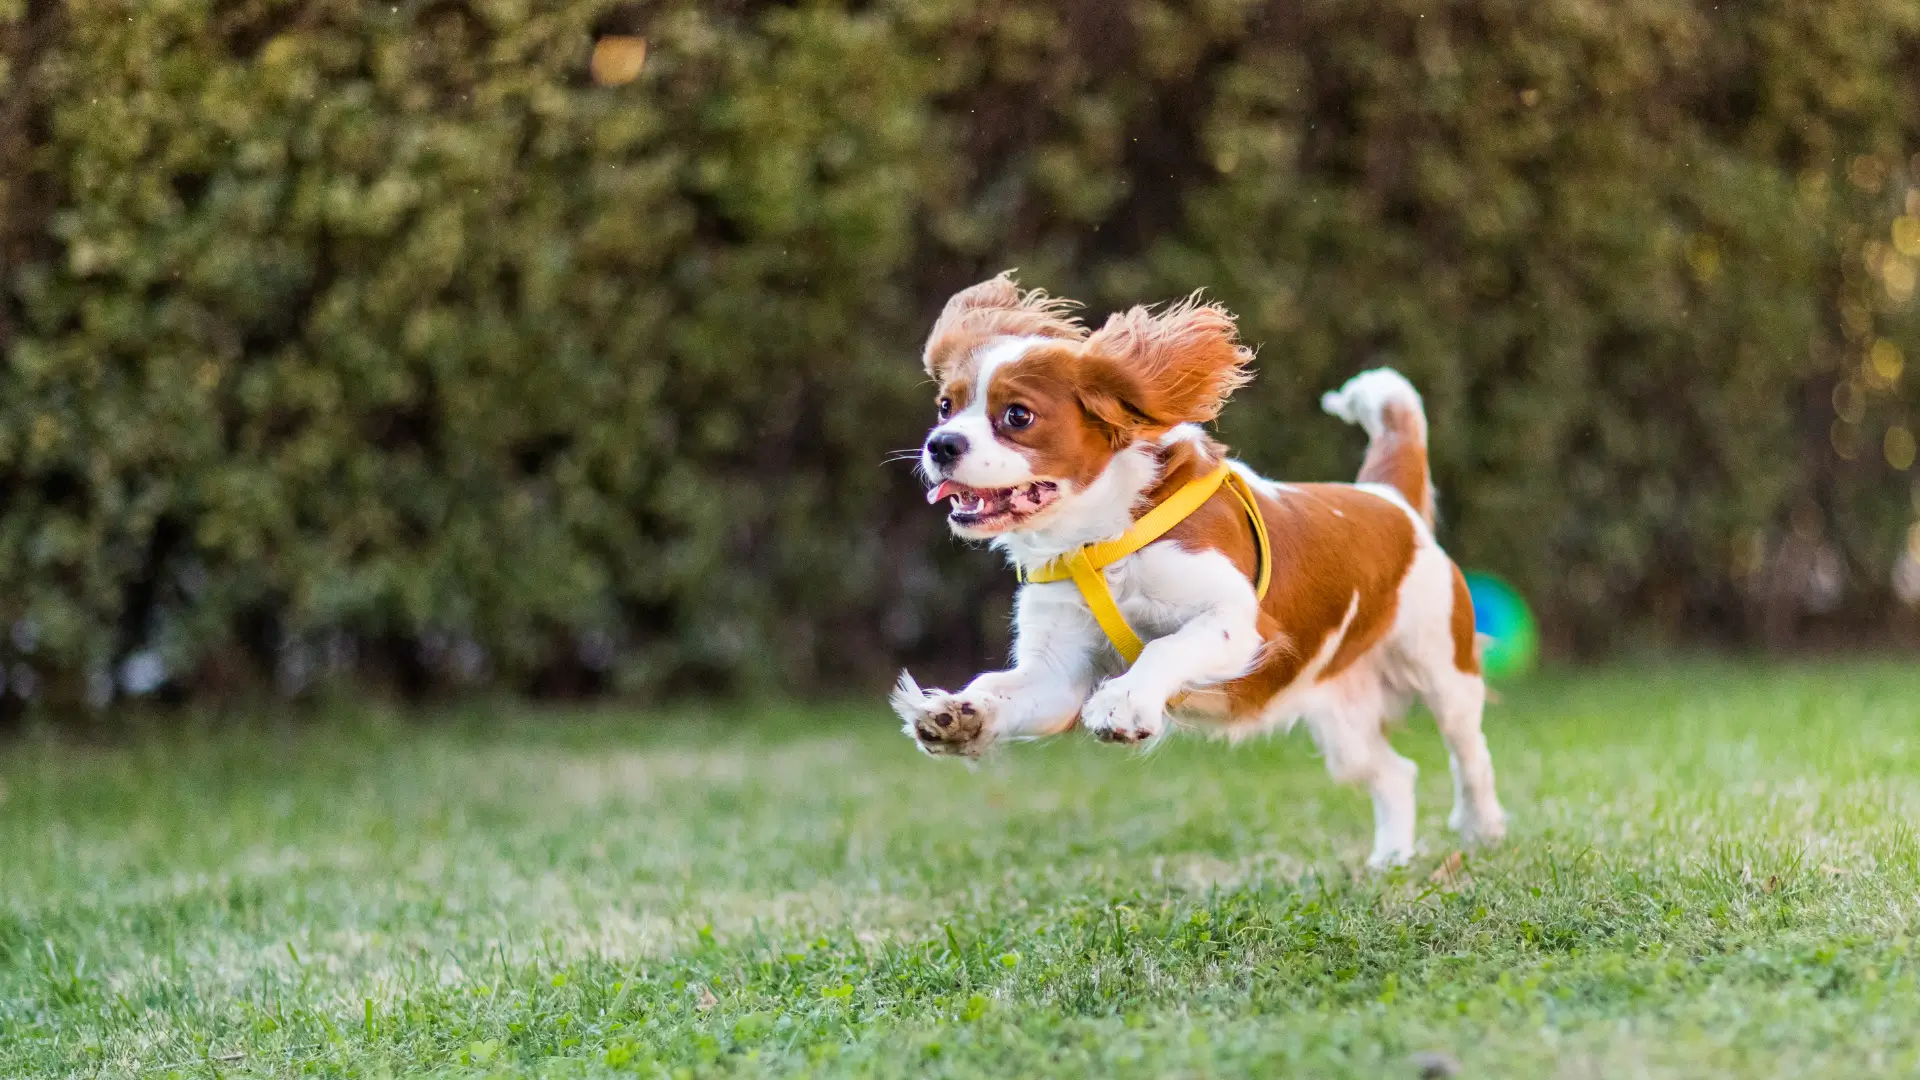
[1083, 566]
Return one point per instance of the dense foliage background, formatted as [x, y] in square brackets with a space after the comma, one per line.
[378, 342]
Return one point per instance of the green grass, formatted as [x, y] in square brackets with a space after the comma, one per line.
[1712, 870]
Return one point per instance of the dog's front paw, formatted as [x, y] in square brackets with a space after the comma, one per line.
[1121, 714]
[943, 724]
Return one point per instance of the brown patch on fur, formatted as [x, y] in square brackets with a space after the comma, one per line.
[1144, 372]
[956, 384]
[994, 308]
[1064, 441]
[1466, 644]
[1219, 518]
[1330, 542]
[1398, 457]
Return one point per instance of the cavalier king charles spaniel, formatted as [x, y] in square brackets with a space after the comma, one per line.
[1335, 606]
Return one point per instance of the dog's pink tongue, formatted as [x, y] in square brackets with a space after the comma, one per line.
[946, 488]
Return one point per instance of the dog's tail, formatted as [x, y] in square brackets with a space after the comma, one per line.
[1384, 403]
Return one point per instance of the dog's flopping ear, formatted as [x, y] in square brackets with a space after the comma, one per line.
[997, 307]
[1146, 371]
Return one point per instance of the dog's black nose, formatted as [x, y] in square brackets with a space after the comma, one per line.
[946, 448]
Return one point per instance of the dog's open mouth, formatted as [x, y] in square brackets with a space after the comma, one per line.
[994, 508]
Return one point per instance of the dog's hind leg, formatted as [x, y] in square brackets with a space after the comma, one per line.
[1442, 660]
[1458, 700]
[1350, 729]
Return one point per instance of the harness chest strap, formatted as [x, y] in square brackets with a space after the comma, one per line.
[1083, 566]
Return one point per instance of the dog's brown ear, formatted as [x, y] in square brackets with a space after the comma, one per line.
[1147, 371]
[1109, 392]
[997, 307]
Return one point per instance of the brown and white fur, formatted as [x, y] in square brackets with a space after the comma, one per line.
[1051, 437]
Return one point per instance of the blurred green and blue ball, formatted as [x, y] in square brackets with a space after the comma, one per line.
[1511, 643]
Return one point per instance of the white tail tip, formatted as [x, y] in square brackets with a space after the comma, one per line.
[1365, 396]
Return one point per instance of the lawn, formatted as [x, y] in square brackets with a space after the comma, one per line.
[1712, 869]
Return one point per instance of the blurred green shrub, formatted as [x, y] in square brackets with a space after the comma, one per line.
[376, 341]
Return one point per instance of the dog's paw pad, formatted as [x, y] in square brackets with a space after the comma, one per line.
[941, 723]
[1123, 717]
[948, 727]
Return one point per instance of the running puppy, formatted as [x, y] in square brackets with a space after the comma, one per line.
[1159, 575]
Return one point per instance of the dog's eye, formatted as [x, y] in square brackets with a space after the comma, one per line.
[1018, 416]
[946, 406]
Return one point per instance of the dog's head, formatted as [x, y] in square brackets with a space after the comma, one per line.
[1032, 408]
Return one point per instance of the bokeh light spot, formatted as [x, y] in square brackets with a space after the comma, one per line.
[618, 59]
[1897, 276]
[1898, 447]
[1846, 440]
[1887, 360]
[1849, 404]
[1906, 235]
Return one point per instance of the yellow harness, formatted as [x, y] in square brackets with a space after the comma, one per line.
[1084, 565]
